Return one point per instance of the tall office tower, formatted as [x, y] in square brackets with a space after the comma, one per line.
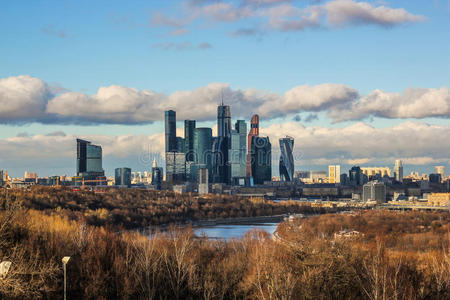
[180, 145]
[189, 127]
[254, 131]
[356, 176]
[374, 191]
[89, 160]
[203, 181]
[286, 166]
[1, 178]
[221, 168]
[203, 141]
[398, 170]
[223, 121]
[334, 174]
[123, 177]
[157, 176]
[176, 167]
[170, 119]
[261, 159]
[440, 170]
[238, 151]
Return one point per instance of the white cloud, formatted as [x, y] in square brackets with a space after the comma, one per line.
[350, 12]
[412, 103]
[285, 15]
[25, 99]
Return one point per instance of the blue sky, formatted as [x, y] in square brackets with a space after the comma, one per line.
[80, 46]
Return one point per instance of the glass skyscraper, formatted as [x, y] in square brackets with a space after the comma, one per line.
[175, 167]
[203, 149]
[286, 166]
[189, 127]
[238, 151]
[89, 160]
[171, 130]
[123, 177]
[261, 159]
[254, 131]
[222, 145]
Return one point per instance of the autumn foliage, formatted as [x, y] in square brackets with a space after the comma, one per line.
[397, 256]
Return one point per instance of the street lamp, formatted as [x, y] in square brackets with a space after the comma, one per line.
[65, 260]
[4, 268]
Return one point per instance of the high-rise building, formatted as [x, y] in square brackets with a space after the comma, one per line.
[374, 191]
[189, 127]
[203, 181]
[157, 176]
[223, 121]
[89, 161]
[176, 167]
[180, 145]
[222, 145]
[440, 170]
[254, 131]
[238, 151]
[203, 156]
[170, 119]
[356, 176]
[286, 166]
[123, 177]
[2, 182]
[334, 174]
[261, 159]
[398, 170]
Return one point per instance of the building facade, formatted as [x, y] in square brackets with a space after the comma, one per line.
[157, 176]
[89, 163]
[123, 177]
[254, 132]
[334, 174]
[170, 119]
[398, 170]
[440, 170]
[374, 191]
[286, 166]
[189, 128]
[222, 145]
[175, 167]
[261, 159]
[238, 151]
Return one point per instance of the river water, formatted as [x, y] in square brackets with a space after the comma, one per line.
[233, 230]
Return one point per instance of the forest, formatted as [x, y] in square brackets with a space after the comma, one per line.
[139, 208]
[398, 255]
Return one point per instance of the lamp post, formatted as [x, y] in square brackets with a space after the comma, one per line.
[65, 260]
[4, 268]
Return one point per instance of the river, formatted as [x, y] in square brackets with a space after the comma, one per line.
[227, 231]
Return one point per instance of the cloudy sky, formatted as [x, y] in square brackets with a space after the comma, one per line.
[354, 82]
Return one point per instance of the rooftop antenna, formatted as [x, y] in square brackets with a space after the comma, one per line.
[221, 93]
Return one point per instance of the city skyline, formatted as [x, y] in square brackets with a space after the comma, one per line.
[362, 83]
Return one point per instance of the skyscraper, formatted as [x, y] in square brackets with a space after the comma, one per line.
[374, 191]
[89, 160]
[334, 174]
[203, 157]
[356, 176]
[286, 166]
[123, 177]
[261, 159]
[238, 151]
[222, 145]
[440, 170]
[189, 127]
[398, 170]
[254, 131]
[223, 121]
[171, 130]
[176, 167]
[157, 176]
